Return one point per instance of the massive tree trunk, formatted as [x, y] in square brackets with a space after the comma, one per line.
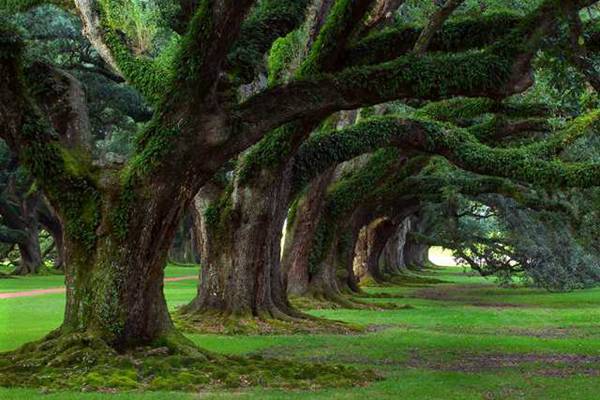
[300, 232]
[241, 249]
[334, 274]
[416, 253]
[369, 247]
[115, 264]
[392, 259]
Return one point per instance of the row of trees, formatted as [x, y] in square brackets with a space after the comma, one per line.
[329, 115]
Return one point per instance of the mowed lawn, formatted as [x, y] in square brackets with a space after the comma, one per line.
[461, 339]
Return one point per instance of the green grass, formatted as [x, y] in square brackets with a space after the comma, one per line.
[437, 349]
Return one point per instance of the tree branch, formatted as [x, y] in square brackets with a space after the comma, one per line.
[457, 145]
[434, 25]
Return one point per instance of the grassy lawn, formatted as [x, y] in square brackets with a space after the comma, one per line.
[461, 339]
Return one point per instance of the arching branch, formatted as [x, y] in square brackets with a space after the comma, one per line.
[457, 145]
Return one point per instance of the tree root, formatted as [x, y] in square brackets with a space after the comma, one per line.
[82, 361]
[352, 301]
[218, 322]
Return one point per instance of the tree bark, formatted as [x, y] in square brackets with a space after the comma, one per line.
[115, 282]
[30, 253]
[21, 217]
[300, 233]
[51, 223]
[415, 252]
[334, 275]
[372, 240]
[183, 249]
[240, 253]
[392, 259]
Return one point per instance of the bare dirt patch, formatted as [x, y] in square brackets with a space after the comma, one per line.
[58, 290]
[462, 294]
[559, 365]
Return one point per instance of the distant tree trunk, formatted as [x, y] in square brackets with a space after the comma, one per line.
[334, 275]
[51, 223]
[300, 233]
[392, 259]
[372, 241]
[416, 253]
[29, 242]
[212, 280]
[30, 253]
[183, 249]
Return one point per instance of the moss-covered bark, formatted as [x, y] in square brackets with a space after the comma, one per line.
[369, 248]
[391, 261]
[241, 275]
[300, 232]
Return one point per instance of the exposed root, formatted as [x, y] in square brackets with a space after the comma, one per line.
[85, 362]
[320, 301]
[266, 324]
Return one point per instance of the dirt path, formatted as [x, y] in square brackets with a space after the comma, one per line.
[58, 290]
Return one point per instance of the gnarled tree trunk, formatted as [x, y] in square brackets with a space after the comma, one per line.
[30, 253]
[334, 274]
[240, 254]
[392, 258]
[416, 253]
[183, 249]
[300, 233]
[369, 247]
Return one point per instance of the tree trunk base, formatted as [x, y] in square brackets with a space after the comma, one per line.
[320, 300]
[270, 322]
[370, 280]
[85, 362]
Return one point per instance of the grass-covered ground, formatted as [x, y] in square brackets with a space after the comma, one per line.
[463, 339]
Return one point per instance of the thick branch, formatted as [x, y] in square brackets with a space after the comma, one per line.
[150, 78]
[335, 34]
[434, 25]
[269, 20]
[383, 14]
[458, 145]
[579, 52]
[12, 236]
[462, 35]
[212, 32]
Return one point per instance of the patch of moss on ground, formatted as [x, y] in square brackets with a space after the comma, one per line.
[85, 363]
[354, 301]
[248, 325]
[411, 280]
